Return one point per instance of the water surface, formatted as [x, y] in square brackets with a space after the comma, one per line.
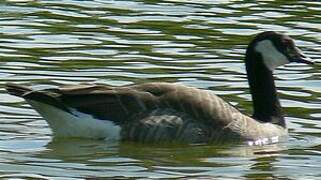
[201, 44]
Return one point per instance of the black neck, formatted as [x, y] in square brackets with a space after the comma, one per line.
[266, 104]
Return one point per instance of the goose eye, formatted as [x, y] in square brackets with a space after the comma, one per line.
[289, 47]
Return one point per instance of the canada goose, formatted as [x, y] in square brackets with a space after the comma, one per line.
[162, 112]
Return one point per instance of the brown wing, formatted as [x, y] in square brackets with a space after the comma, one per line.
[113, 103]
[202, 105]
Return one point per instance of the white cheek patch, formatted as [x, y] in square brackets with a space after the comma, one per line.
[272, 58]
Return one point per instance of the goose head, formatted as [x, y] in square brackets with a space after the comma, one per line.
[266, 52]
[276, 49]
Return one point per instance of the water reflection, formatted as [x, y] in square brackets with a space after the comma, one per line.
[100, 159]
[170, 160]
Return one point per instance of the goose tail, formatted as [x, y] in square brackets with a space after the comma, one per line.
[17, 90]
[64, 120]
[47, 97]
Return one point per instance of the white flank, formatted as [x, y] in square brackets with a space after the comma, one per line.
[272, 58]
[76, 124]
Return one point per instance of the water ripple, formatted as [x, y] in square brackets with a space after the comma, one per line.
[197, 43]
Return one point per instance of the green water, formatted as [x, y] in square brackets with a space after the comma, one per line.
[52, 43]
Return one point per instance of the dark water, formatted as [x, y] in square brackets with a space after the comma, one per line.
[51, 43]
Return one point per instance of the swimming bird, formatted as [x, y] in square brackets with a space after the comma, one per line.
[166, 112]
